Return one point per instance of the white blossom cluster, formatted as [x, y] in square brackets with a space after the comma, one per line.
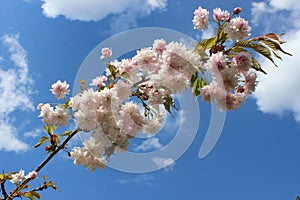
[109, 110]
[237, 28]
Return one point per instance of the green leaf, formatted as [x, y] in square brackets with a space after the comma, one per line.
[113, 70]
[258, 48]
[256, 65]
[237, 50]
[67, 104]
[41, 141]
[206, 43]
[32, 195]
[168, 102]
[263, 51]
[54, 127]
[222, 36]
[66, 133]
[37, 195]
[52, 185]
[197, 85]
[48, 129]
[243, 43]
[275, 46]
[29, 195]
[193, 78]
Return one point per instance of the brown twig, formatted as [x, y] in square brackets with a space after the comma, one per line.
[39, 167]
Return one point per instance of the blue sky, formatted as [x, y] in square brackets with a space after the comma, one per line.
[257, 155]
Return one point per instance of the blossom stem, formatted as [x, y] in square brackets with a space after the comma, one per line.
[43, 164]
[141, 81]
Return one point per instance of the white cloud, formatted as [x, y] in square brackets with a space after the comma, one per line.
[278, 92]
[143, 178]
[286, 4]
[96, 10]
[33, 134]
[15, 92]
[151, 143]
[166, 163]
[9, 141]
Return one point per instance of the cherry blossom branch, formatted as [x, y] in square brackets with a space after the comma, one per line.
[43, 164]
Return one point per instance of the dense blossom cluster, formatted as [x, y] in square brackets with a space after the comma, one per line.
[152, 75]
[109, 111]
[226, 87]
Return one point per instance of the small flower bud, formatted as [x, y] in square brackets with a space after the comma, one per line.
[31, 175]
[39, 106]
[237, 10]
[47, 148]
[106, 53]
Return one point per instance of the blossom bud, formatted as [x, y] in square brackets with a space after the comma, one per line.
[48, 148]
[39, 106]
[31, 175]
[237, 10]
[106, 53]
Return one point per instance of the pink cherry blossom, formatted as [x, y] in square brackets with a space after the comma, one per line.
[47, 113]
[242, 61]
[61, 116]
[250, 82]
[60, 89]
[200, 20]
[17, 177]
[31, 175]
[99, 81]
[159, 46]
[39, 106]
[238, 29]
[106, 53]
[220, 15]
[216, 64]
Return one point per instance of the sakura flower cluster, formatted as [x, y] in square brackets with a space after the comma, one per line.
[109, 110]
[128, 98]
[230, 83]
[237, 28]
[152, 76]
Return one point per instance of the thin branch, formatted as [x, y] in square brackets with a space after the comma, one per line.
[141, 81]
[3, 190]
[39, 167]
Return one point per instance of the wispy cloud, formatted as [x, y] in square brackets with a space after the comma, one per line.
[33, 134]
[125, 13]
[16, 90]
[279, 91]
[149, 144]
[142, 178]
[166, 163]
